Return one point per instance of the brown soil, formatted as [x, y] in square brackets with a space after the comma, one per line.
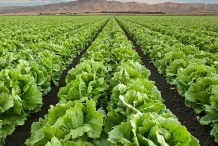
[175, 103]
[21, 133]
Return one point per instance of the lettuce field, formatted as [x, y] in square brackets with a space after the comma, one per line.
[108, 81]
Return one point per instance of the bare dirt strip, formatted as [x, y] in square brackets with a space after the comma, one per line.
[21, 133]
[175, 103]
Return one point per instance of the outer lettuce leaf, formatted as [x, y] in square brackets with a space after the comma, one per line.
[193, 73]
[169, 57]
[127, 72]
[151, 129]
[98, 56]
[66, 53]
[137, 66]
[179, 64]
[6, 99]
[89, 66]
[22, 97]
[121, 135]
[141, 86]
[200, 93]
[54, 142]
[53, 64]
[211, 117]
[70, 122]
[8, 124]
[123, 54]
[214, 132]
[136, 97]
[172, 69]
[86, 85]
[38, 72]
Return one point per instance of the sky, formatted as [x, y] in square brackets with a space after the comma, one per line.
[43, 2]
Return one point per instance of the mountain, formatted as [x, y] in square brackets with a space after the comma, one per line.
[82, 6]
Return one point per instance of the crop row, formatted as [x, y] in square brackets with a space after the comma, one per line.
[27, 72]
[186, 32]
[44, 36]
[108, 100]
[39, 29]
[194, 72]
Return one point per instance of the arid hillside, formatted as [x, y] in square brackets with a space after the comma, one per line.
[112, 6]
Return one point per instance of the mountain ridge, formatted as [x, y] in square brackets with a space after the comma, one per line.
[92, 6]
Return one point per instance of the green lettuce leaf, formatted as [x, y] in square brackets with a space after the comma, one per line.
[71, 123]
[151, 129]
[86, 85]
[201, 93]
[89, 66]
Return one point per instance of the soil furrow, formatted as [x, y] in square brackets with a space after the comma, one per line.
[174, 102]
[21, 133]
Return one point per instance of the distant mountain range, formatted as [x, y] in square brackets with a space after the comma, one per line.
[92, 6]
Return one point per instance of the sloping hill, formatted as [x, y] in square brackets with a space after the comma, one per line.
[112, 6]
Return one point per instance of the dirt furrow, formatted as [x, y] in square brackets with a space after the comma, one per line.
[175, 103]
[21, 133]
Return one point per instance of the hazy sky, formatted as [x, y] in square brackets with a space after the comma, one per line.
[42, 2]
